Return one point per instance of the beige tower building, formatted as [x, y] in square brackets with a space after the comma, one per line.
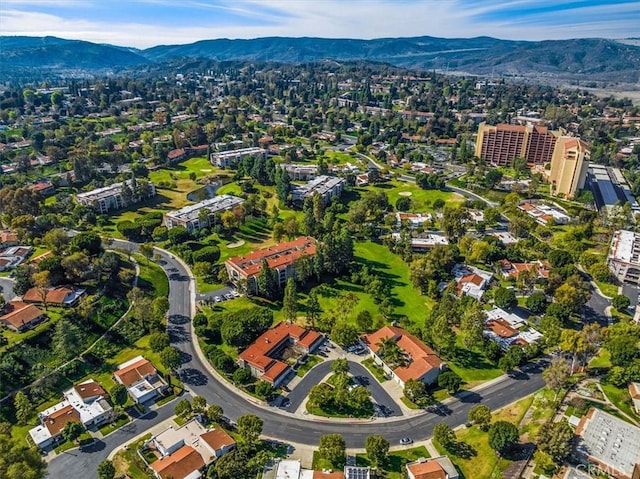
[501, 144]
[569, 165]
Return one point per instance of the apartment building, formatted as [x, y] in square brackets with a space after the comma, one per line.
[110, 197]
[281, 257]
[227, 159]
[191, 216]
[326, 186]
[501, 144]
[300, 172]
[624, 256]
[569, 165]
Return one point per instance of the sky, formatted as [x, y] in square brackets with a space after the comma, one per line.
[145, 23]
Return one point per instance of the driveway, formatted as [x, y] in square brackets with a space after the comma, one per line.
[316, 374]
[594, 310]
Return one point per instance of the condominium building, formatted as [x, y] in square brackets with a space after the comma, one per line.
[300, 172]
[501, 144]
[192, 218]
[226, 159]
[326, 186]
[281, 257]
[111, 198]
[624, 256]
[569, 165]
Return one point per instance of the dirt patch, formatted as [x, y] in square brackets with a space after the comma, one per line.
[237, 244]
[405, 193]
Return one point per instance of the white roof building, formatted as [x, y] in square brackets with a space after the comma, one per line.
[189, 216]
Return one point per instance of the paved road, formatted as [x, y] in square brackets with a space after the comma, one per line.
[6, 288]
[84, 463]
[594, 310]
[313, 377]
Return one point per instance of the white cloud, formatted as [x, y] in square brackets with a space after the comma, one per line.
[328, 18]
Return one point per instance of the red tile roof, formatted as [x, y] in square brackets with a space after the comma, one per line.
[422, 358]
[53, 296]
[18, 314]
[56, 422]
[7, 236]
[634, 390]
[218, 439]
[89, 389]
[135, 372]
[427, 470]
[277, 256]
[328, 475]
[179, 464]
[502, 328]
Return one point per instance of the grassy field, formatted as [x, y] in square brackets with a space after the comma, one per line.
[421, 200]
[152, 276]
[12, 337]
[375, 369]
[607, 289]
[311, 362]
[472, 366]
[621, 399]
[396, 460]
[602, 360]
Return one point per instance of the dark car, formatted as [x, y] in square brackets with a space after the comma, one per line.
[406, 440]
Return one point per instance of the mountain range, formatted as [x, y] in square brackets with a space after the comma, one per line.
[593, 59]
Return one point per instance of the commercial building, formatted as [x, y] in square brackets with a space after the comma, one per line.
[326, 186]
[110, 197]
[420, 361]
[184, 452]
[439, 467]
[624, 256]
[610, 188]
[141, 379]
[609, 443]
[261, 357]
[226, 159]
[85, 403]
[281, 257]
[300, 172]
[190, 216]
[501, 144]
[18, 316]
[569, 165]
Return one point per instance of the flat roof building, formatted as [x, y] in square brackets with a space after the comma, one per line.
[624, 256]
[300, 172]
[501, 144]
[609, 443]
[569, 165]
[111, 198]
[326, 186]
[226, 159]
[190, 216]
[141, 379]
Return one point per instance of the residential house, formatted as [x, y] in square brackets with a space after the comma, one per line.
[471, 281]
[545, 214]
[634, 392]
[61, 296]
[141, 379]
[14, 256]
[421, 362]
[439, 467]
[8, 238]
[185, 451]
[85, 403]
[190, 216]
[18, 316]
[292, 469]
[44, 188]
[508, 329]
[424, 242]
[539, 268]
[327, 187]
[505, 237]
[609, 443]
[281, 257]
[261, 357]
[110, 197]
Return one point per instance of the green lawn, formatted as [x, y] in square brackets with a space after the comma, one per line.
[621, 399]
[602, 360]
[152, 276]
[312, 360]
[421, 200]
[472, 366]
[375, 369]
[115, 425]
[319, 463]
[607, 289]
[396, 461]
[127, 461]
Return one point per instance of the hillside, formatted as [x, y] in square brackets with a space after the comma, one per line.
[576, 59]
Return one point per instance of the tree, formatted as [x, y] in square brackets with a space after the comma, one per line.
[505, 298]
[72, 431]
[23, 406]
[340, 366]
[450, 381]
[377, 448]
[344, 334]
[234, 465]
[250, 428]
[512, 359]
[106, 470]
[199, 404]
[537, 302]
[620, 302]
[146, 250]
[158, 342]
[503, 436]
[444, 435]
[170, 358]
[555, 439]
[416, 391]
[571, 341]
[214, 413]
[242, 376]
[556, 375]
[480, 415]
[183, 408]
[313, 307]
[17, 460]
[119, 394]
[56, 240]
[264, 389]
[453, 222]
[290, 301]
[472, 326]
[66, 339]
[333, 448]
[364, 321]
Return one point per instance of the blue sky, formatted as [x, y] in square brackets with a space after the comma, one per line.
[144, 23]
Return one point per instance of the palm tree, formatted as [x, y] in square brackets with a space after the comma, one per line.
[391, 353]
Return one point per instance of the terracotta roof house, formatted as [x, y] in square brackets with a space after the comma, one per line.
[422, 362]
[180, 465]
[471, 281]
[141, 379]
[261, 356]
[539, 268]
[281, 257]
[52, 424]
[8, 238]
[63, 296]
[436, 468]
[18, 316]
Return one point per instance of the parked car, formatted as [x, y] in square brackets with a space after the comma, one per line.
[217, 299]
[406, 440]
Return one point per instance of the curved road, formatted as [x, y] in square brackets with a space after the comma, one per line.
[201, 380]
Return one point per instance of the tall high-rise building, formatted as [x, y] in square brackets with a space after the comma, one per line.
[569, 165]
[501, 144]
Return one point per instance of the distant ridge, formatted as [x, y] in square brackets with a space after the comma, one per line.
[582, 59]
